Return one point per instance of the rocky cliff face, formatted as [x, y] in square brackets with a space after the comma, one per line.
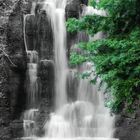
[6, 7]
[128, 124]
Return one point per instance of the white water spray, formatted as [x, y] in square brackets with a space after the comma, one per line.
[55, 10]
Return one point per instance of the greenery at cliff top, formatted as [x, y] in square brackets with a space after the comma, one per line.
[117, 57]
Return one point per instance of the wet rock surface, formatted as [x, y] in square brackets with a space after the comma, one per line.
[6, 7]
[39, 34]
[73, 9]
[12, 67]
[128, 124]
[46, 94]
[16, 51]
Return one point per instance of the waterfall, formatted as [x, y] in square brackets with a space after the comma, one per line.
[32, 83]
[24, 24]
[29, 116]
[55, 10]
[85, 117]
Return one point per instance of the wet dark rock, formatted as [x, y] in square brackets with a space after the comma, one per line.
[73, 9]
[5, 133]
[72, 84]
[5, 112]
[128, 125]
[17, 55]
[16, 128]
[39, 34]
[44, 111]
[85, 2]
[12, 97]
[16, 92]
[46, 74]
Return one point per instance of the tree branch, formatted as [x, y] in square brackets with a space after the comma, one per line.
[5, 54]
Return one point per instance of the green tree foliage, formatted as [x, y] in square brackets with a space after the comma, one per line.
[116, 58]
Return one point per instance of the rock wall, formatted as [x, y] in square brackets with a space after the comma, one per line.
[37, 39]
[6, 7]
[128, 124]
[17, 66]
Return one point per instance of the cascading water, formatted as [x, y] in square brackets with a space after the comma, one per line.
[86, 118]
[55, 10]
[32, 89]
[29, 124]
[97, 121]
[32, 95]
[32, 83]
[57, 126]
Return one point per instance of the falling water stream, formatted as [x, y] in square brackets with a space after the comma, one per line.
[32, 95]
[30, 114]
[86, 117]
